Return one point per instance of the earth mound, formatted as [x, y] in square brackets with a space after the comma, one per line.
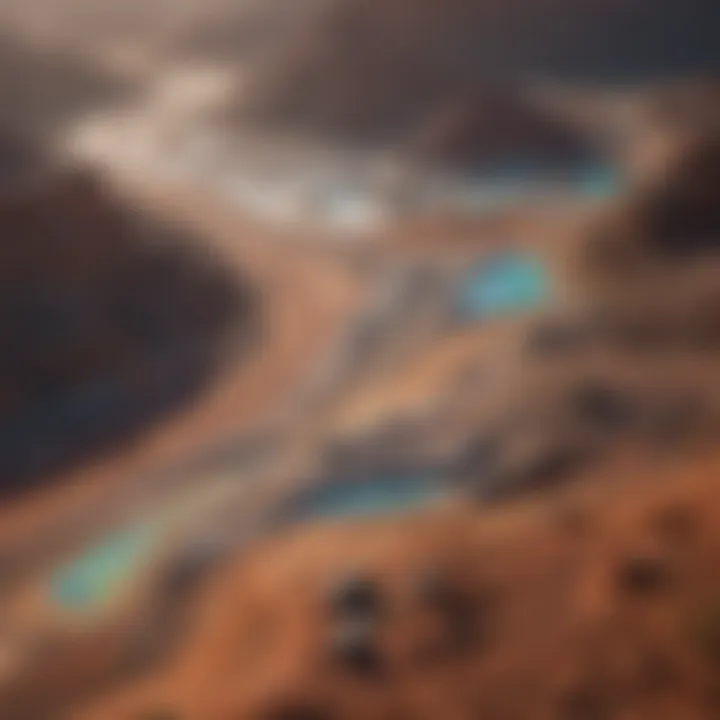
[692, 106]
[496, 130]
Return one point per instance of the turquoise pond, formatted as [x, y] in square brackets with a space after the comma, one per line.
[381, 495]
[507, 284]
[588, 179]
[103, 571]
[599, 182]
[503, 187]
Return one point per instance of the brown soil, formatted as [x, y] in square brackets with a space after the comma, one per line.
[598, 600]
[599, 603]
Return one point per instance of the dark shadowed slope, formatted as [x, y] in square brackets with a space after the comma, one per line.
[371, 69]
[108, 320]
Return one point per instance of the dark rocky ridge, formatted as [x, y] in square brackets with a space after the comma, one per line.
[372, 71]
[108, 319]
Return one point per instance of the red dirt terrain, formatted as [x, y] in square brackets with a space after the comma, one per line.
[598, 603]
[593, 598]
[596, 600]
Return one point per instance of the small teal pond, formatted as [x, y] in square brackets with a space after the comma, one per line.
[511, 183]
[377, 496]
[599, 181]
[102, 571]
[507, 284]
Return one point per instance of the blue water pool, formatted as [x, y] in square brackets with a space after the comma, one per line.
[506, 284]
[512, 183]
[382, 495]
[100, 573]
[599, 181]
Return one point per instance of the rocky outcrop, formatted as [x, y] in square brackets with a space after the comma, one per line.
[653, 262]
